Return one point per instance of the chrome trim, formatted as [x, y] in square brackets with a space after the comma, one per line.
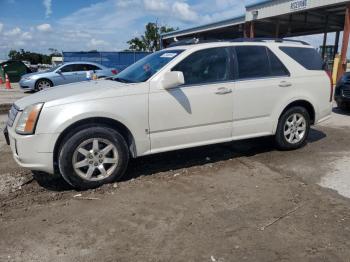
[187, 127]
[13, 112]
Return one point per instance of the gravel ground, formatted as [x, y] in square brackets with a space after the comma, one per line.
[241, 201]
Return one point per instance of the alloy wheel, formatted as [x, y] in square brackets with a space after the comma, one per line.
[295, 128]
[95, 159]
[43, 84]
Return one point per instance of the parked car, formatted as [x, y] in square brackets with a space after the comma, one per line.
[14, 70]
[63, 74]
[181, 97]
[342, 92]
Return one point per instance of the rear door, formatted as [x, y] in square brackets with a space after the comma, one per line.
[261, 81]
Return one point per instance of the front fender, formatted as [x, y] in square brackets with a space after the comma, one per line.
[131, 111]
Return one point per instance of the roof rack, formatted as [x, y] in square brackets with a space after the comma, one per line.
[194, 41]
[262, 39]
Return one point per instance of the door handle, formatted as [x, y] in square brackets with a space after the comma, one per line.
[223, 91]
[285, 84]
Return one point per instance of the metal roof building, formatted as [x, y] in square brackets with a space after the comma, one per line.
[279, 18]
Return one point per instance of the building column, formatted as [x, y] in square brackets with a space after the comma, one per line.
[345, 43]
[325, 34]
[277, 32]
[251, 30]
[336, 43]
[245, 30]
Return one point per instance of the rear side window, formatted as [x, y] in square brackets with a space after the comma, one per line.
[252, 62]
[206, 66]
[84, 67]
[277, 67]
[307, 57]
[258, 62]
[91, 67]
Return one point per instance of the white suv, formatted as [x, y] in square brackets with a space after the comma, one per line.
[180, 97]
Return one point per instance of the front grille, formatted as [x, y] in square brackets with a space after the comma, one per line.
[12, 115]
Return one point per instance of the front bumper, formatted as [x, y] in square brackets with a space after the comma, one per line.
[27, 84]
[342, 99]
[34, 152]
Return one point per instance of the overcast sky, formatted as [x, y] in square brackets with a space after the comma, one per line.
[75, 25]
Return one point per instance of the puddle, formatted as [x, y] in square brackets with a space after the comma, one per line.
[339, 178]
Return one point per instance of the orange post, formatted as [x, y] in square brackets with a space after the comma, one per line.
[345, 43]
[8, 84]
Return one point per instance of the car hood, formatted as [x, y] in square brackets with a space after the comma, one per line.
[76, 92]
[35, 74]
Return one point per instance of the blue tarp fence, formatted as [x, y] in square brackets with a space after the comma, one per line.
[118, 60]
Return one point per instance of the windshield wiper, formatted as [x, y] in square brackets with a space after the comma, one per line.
[122, 80]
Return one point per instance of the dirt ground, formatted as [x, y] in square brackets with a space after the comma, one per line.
[11, 95]
[241, 201]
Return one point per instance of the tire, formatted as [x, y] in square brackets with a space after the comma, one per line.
[343, 106]
[293, 128]
[42, 84]
[85, 163]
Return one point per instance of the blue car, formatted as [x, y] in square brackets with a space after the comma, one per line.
[64, 74]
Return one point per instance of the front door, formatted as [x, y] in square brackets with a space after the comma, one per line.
[198, 112]
[65, 75]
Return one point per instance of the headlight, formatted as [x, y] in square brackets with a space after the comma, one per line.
[28, 119]
[27, 78]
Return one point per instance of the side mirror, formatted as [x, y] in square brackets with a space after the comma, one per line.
[59, 71]
[172, 79]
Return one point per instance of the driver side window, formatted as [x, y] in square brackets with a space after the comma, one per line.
[67, 68]
[206, 66]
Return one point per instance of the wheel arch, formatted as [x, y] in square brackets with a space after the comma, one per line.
[42, 78]
[91, 122]
[303, 103]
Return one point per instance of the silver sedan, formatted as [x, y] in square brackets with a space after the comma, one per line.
[64, 74]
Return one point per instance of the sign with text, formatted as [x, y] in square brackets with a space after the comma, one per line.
[298, 5]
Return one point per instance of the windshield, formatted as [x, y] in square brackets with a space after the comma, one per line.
[145, 68]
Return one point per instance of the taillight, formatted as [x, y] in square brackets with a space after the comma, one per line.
[114, 71]
[329, 73]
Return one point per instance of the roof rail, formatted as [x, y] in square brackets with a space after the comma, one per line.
[193, 41]
[262, 39]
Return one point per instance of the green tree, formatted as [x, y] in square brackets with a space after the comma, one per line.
[150, 41]
[32, 57]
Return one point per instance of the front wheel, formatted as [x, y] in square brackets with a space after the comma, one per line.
[43, 84]
[93, 157]
[293, 128]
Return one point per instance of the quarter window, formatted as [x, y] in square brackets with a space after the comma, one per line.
[307, 57]
[206, 66]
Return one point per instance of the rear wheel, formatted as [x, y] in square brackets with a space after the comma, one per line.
[293, 128]
[93, 157]
[43, 84]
